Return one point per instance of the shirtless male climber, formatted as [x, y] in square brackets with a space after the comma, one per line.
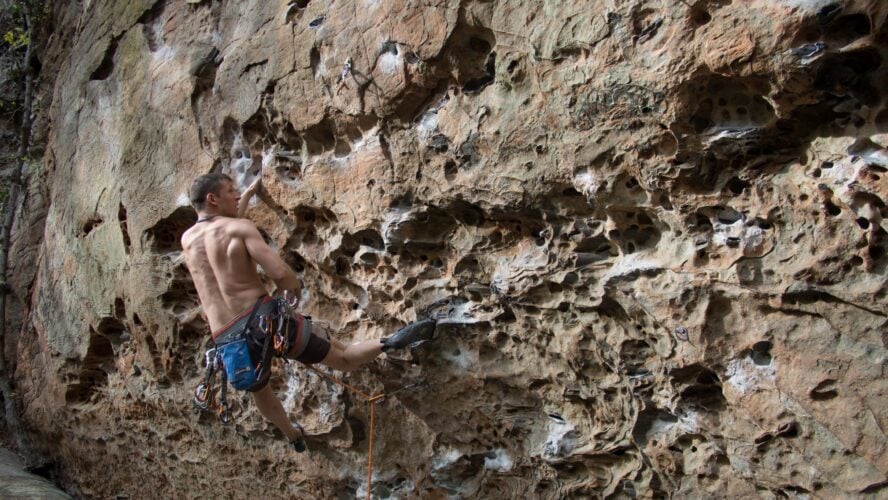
[222, 251]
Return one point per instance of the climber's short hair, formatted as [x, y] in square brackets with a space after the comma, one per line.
[204, 185]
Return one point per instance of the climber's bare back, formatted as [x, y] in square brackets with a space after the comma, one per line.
[224, 273]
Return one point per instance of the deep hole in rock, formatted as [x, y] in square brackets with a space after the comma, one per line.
[761, 223]
[164, 236]
[727, 215]
[761, 353]
[119, 309]
[863, 61]
[848, 28]
[466, 213]
[737, 186]
[342, 266]
[389, 47]
[450, 170]
[112, 329]
[570, 279]
[479, 44]
[89, 225]
[475, 60]
[295, 261]
[358, 429]
[365, 237]
[647, 419]
[467, 265]
[824, 391]
[190, 336]
[94, 369]
[634, 354]
[314, 56]
[699, 16]
[598, 244]
[181, 294]
[702, 387]
[706, 94]
[828, 13]
[46, 470]
[124, 228]
[320, 138]
[150, 22]
[832, 209]
[842, 72]
[106, 67]
[476, 85]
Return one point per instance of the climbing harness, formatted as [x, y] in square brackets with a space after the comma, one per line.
[244, 359]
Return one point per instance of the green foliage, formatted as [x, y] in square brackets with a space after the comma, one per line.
[16, 38]
[13, 20]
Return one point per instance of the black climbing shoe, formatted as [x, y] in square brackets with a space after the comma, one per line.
[298, 444]
[410, 334]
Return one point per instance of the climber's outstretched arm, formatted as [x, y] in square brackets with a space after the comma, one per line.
[246, 196]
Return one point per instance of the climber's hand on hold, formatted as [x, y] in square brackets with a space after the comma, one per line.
[247, 195]
[253, 188]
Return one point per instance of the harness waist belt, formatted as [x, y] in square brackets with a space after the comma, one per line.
[232, 330]
[298, 328]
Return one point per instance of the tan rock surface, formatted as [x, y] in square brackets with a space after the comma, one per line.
[654, 233]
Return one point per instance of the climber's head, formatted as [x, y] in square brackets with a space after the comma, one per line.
[215, 193]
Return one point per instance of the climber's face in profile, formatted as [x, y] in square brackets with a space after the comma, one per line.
[225, 200]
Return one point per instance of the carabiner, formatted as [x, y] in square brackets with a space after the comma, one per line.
[211, 353]
[224, 414]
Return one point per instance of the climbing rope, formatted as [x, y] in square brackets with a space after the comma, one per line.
[371, 400]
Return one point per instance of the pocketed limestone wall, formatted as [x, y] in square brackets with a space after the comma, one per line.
[653, 232]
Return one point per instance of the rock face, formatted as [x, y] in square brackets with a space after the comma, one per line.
[17, 483]
[654, 234]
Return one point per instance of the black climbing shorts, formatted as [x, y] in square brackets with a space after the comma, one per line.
[305, 346]
[315, 350]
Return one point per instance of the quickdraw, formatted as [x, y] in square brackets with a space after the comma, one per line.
[276, 325]
[205, 394]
